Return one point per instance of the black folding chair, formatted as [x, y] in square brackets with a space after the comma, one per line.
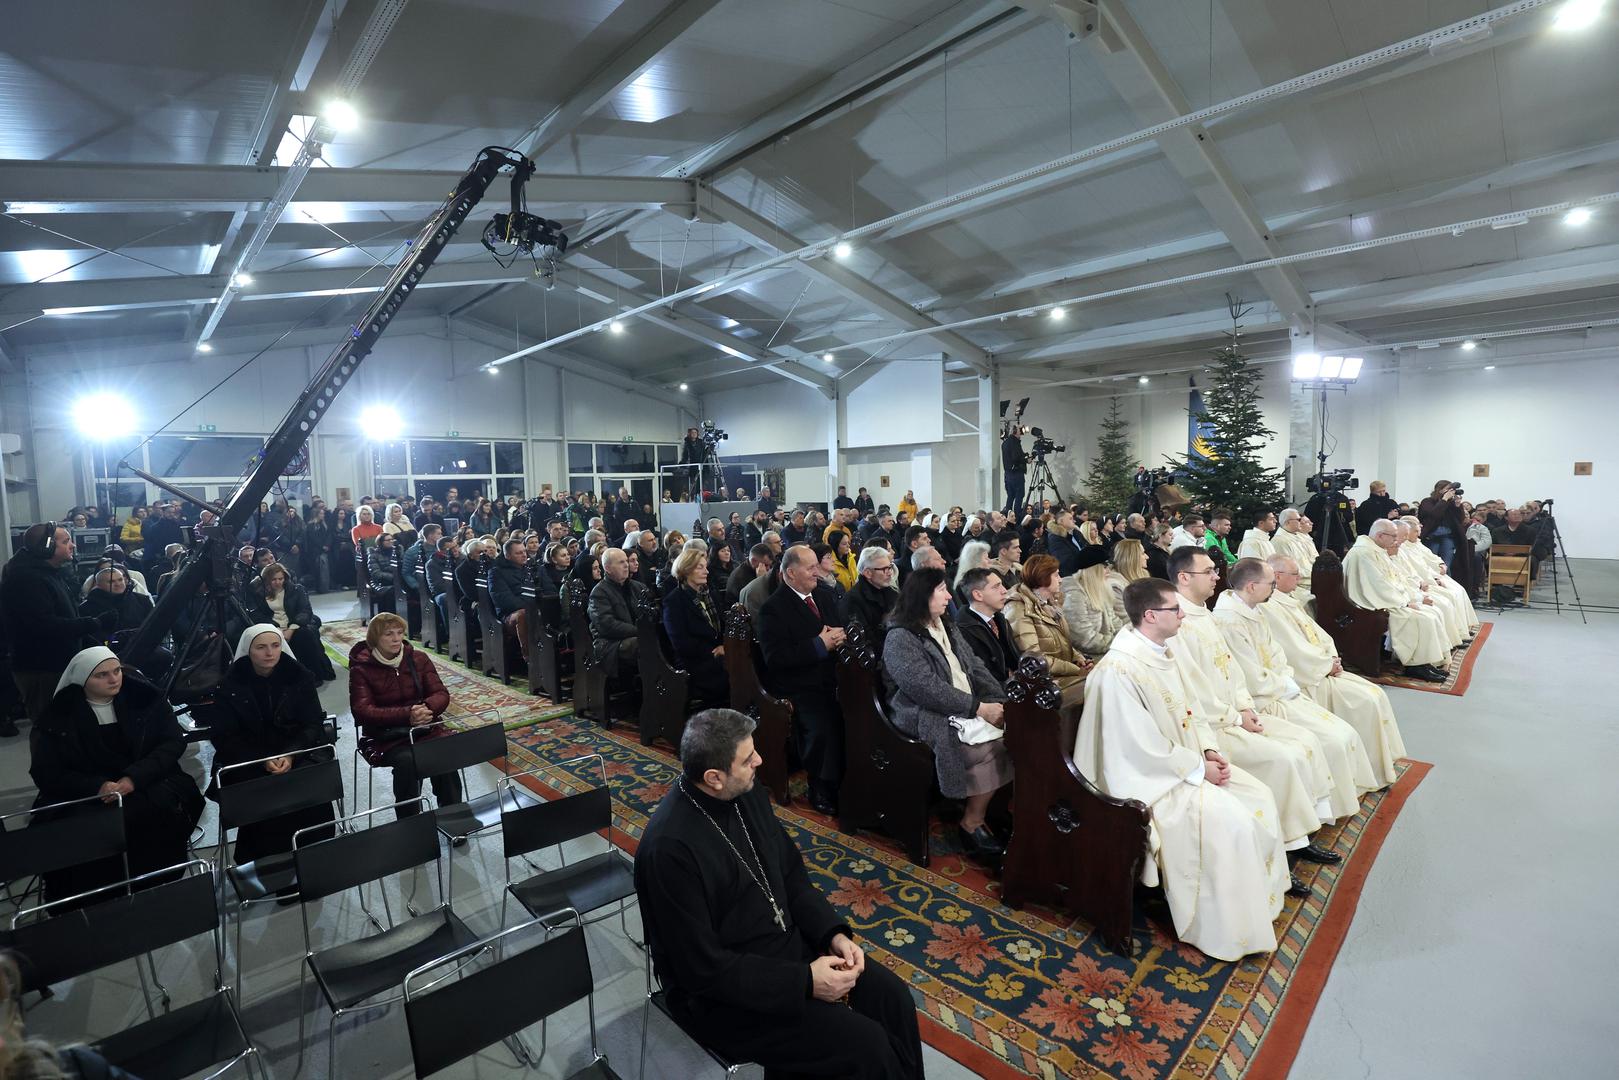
[261, 798]
[450, 1021]
[352, 973]
[658, 1000]
[587, 885]
[454, 753]
[94, 832]
[122, 926]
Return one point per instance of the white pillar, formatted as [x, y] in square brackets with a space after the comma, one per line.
[989, 428]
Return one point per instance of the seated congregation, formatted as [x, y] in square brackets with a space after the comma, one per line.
[909, 666]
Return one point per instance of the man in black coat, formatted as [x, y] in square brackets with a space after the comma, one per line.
[872, 597]
[799, 629]
[1014, 467]
[1376, 505]
[982, 624]
[162, 528]
[842, 501]
[42, 616]
[508, 577]
[614, 607]
[760, 560]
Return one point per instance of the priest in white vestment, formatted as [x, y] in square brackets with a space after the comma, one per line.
[1415, 573]
[1432, 569]
[1293, 540]
[1313, 657]
[1417, 632]
[1277, 693]
[1280, 754]
[1214, 840]
[1256, 542]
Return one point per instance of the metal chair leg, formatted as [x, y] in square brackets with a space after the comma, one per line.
[146, 991]
[331, 1044]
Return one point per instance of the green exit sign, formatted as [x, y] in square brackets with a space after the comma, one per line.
[452, 434]
[629, 438]
[206, 427]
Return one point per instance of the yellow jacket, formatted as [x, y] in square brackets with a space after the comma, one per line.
[131, 533]
[845, 570]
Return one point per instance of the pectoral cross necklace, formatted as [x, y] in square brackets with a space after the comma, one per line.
[759, 879]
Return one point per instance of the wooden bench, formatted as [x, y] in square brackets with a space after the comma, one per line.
[664, 687]
[1073, 847]
[431, 638]
[550, 660]
[497, 648]
[407, 602]
[1512, 566]
[889, 776]
[589, 677]
[774, 715]
[463, 644]
[1358, 632]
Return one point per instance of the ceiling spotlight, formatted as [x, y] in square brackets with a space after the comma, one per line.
[1489, 367]
[827, 358]
[843, 249]
[203, 346]
[1577, 216]
[1057, 314]
[380, 423]
[1469, 346]
[1578, 14]
[616, 327]
[492, 369]
[242, 280]
[341, 116]
[103, 416]
[1144, 380]
[682, 386]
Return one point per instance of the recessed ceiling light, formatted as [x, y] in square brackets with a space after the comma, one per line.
[1469, 346]
[827, 358]
[1489, 367]
[242, 281]
[1057, 314]
[843, 250]
[1578, 14]
[616, 327]
[1144, 380]
[342, 116]
[683, 386]
[203, 346]
[1577, 216]
[492, 369]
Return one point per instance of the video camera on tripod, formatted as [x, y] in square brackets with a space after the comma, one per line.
[1332, 480]
[1042, 445]
[711, 435]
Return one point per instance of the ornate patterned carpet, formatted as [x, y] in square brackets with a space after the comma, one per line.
[1462, 659]
[1007, 993]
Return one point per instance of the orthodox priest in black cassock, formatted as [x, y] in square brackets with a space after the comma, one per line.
[754, 962]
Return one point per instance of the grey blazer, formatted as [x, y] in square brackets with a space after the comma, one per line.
[922, 699]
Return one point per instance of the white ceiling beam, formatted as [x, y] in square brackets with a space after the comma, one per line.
[1134, 69]
[607, 374]
[621, 69]
[125, 294]
[769, 238]
[78, 187]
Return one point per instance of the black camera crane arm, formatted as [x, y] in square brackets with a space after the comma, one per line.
[289, 437]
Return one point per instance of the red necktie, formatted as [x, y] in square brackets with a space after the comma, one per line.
[995, 627]
[810, 600]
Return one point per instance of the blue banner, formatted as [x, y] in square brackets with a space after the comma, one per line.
[1199, 431]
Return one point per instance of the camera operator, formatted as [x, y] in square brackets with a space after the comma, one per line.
[693, 451]
[1443, 525]
[1014, 466]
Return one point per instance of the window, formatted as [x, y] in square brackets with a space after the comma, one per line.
[581, 483]
[509, 458]
[388, 459]
[624, 457]
[580, 458]
[449, 457]
[201, 455]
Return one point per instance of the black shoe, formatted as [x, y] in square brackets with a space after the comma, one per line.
[8, 728]
[981, 844]
[821, 800]
[1298, 889]
[1425, 672]
[1317, 854]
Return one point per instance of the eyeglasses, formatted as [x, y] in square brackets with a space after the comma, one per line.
[1176, 610]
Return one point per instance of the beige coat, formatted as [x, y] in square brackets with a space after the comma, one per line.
[1039, 629]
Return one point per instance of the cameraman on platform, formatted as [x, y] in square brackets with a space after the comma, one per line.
[693, 453]
[1014, 468]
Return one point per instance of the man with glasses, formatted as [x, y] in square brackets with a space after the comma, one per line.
[1281, 755]
[873, 595]
[1218, 851]
[1276, 693]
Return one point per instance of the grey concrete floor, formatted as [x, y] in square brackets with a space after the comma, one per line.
[1480, 948]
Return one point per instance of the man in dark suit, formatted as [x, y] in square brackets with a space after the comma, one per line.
[982, 623]
[799, 630]
[614, 608]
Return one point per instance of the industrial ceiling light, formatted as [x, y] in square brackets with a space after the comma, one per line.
[380, 423]
[683, 387]
[616, 327]
[1058, 314]
[1306, 365]
[1578, 14]
[1326, 371]
[204, 347]
[1144, 380]
[1489, 367]
[341, 116]
[492, 369]
[843, 249]
[103, 416]
[242, 280]
[1469, 346]
[1577, 216]
[827, 358]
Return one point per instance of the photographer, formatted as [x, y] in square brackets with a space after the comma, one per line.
[1014, 466]
[1443, 525]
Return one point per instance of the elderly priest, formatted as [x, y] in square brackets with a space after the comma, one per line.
[1293, 538]
[1277, 693]
[1214, 842]
[1429, 569]
[1314, 660]
[756, 964]
[1417, 630]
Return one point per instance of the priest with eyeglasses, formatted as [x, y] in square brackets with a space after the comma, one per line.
[754, 962]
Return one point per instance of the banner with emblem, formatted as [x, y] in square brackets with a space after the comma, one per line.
[1199, 429]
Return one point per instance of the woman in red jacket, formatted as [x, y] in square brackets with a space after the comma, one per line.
[392, 688]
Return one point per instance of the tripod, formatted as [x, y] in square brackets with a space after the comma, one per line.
[1040, 479]
[1560, 550]
[221, 609]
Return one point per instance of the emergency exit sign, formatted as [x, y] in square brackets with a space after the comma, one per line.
[206, 427]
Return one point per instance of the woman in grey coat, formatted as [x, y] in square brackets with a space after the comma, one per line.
[935, 678]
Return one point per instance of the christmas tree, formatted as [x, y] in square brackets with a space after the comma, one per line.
[1111, 480]
[1231, 476]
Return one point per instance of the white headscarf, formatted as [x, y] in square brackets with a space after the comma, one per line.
[245, 642]
[82, 664]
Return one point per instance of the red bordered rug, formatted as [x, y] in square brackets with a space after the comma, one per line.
[1462, 659]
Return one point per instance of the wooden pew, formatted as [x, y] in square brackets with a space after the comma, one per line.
[1357, 631]
[748, 695]
[889, 776]
[550, 660]
[1220, 577]
[1073, 847]
[1511, 565]
[431, 639]
[663, 685]
[589, 677]
[497, 658]
[406, 601]
[463, 644]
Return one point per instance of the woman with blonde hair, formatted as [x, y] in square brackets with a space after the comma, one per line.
[1089, 533]
[1127, 563]
[696, 628]
[366, 529]
[1087, 603]
[1034, 612]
